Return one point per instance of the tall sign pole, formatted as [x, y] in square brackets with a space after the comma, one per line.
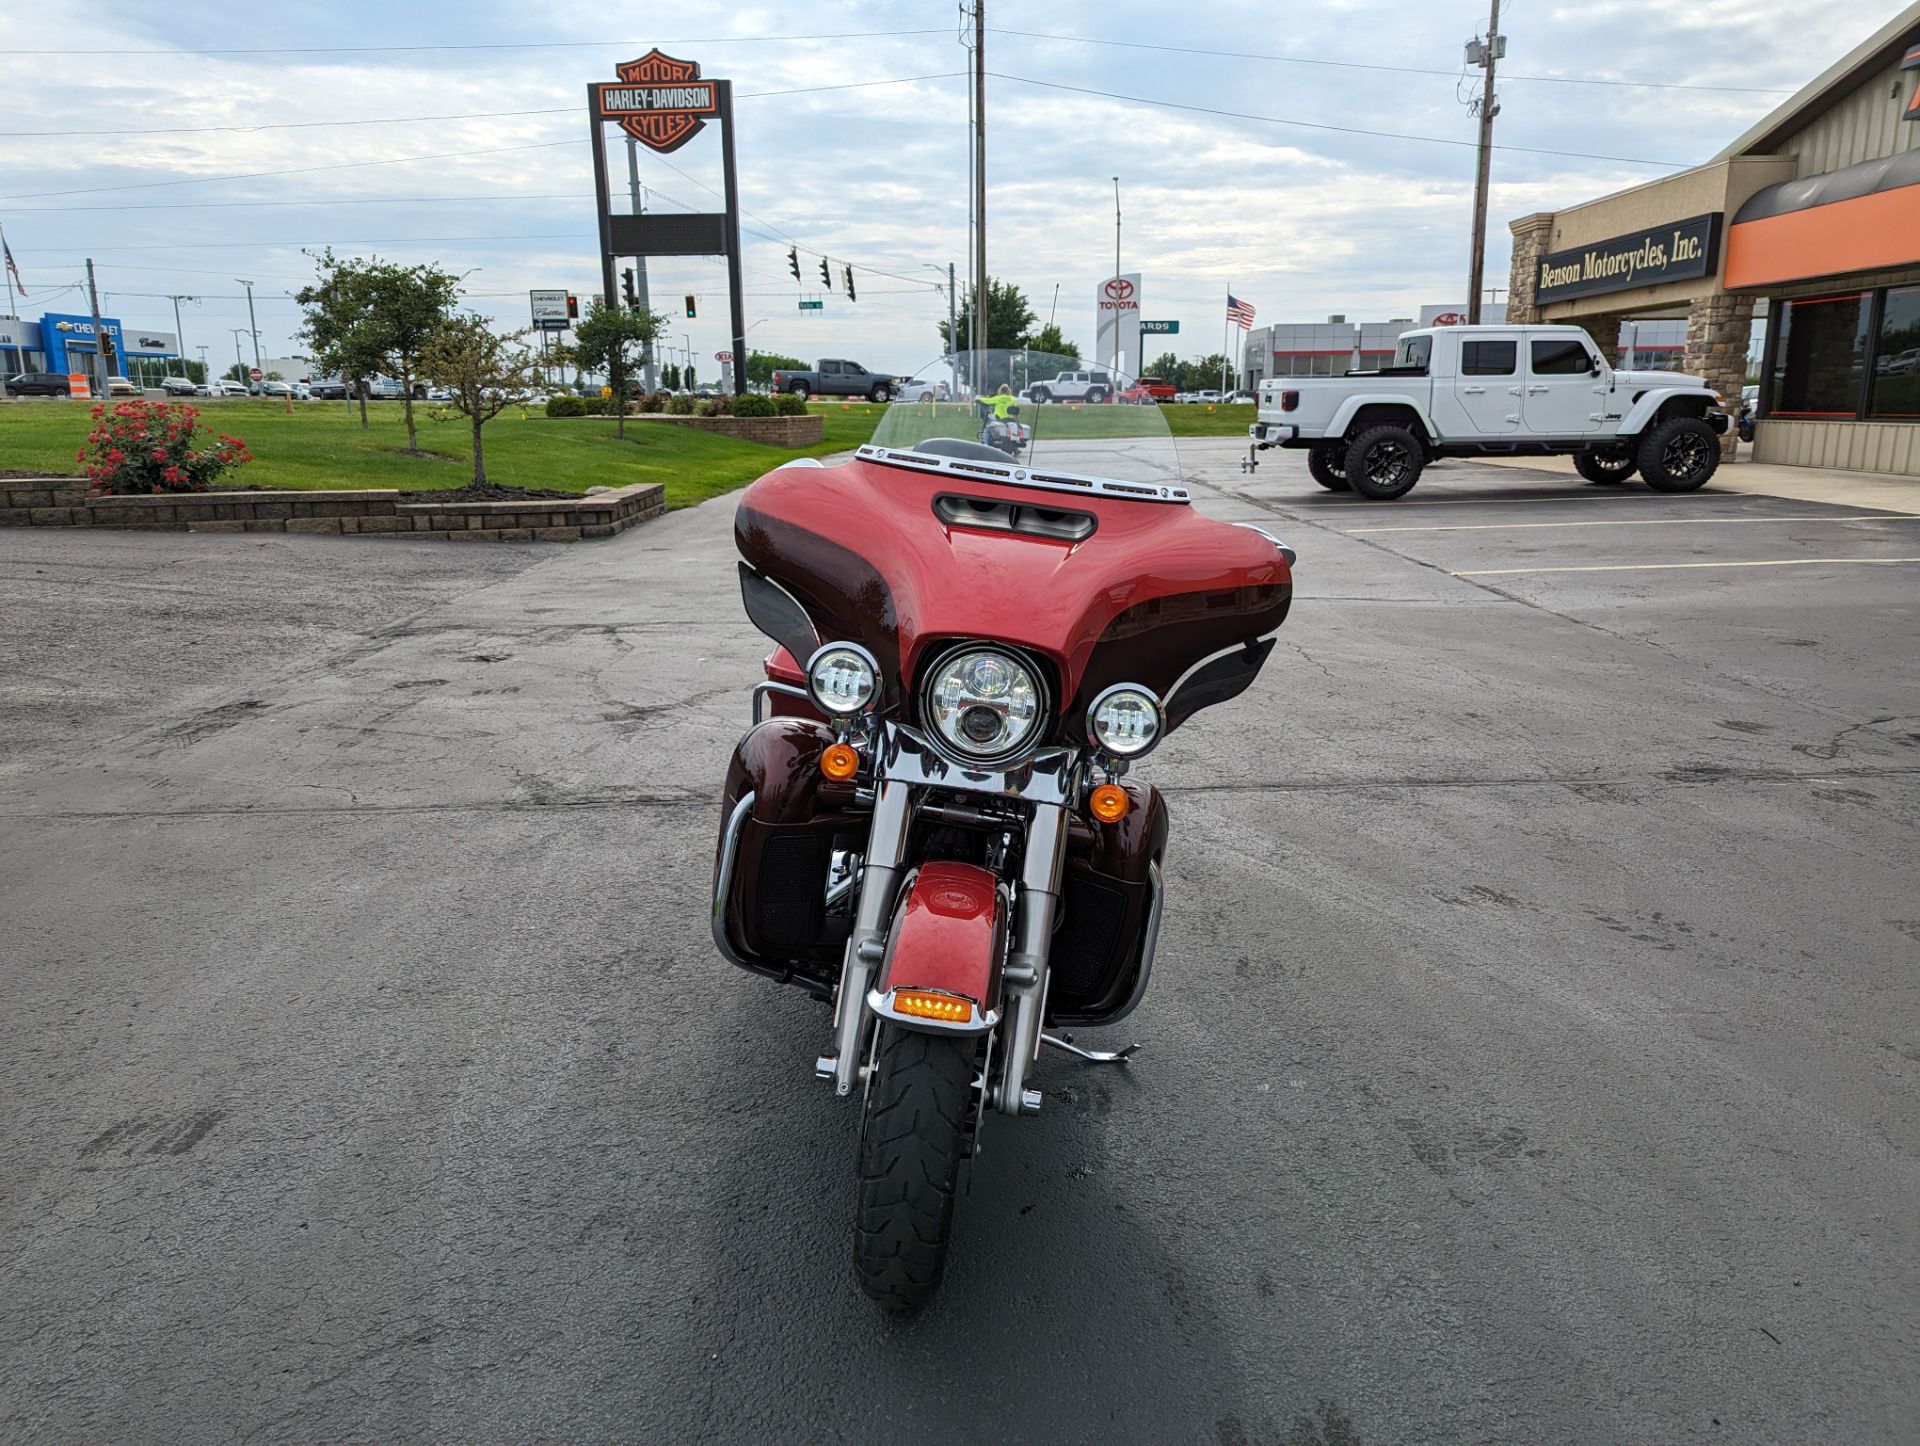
[640, 262]
[979, 192]
[736, 293]
[1490, 47]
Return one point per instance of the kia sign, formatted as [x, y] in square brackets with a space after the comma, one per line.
[723, 356]
[1117, 339]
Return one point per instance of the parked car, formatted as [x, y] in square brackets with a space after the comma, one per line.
[917, 389]
[1088, 386]
[270, 389]
[224, 388]
[1159, 388]
[835, 377]
[121, 387]
[1515, 391]
[1243, 395]
[1206, 396]
[38, 384]
[329, 389]
[180, 387]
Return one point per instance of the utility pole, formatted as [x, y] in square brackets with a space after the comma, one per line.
[640, 262]
[252, 325]
[179, 335]
[102, 343]
[1489, 48]
[979, 190]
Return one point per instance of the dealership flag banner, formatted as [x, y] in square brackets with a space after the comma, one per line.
[13, 272]
[1239, 312]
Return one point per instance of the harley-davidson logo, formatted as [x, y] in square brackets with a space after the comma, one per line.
[659, 101]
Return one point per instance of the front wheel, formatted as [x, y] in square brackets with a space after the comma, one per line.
[911, 1143]
[1608, 464]
[1328, 464]
[1384, 462]
[800, 390]
[1679, 454]
[881, 393]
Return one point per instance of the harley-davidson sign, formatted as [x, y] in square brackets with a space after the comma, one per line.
[659, 101]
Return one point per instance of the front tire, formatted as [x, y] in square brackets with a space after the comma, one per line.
[1384, 462]
[882, 394]
[1679, 455]
[800, 390]
[912, 1140]
[1606, 465]
[1328, 464]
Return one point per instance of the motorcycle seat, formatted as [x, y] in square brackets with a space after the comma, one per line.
[956, 447]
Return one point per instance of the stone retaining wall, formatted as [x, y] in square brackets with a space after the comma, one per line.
[65, 502]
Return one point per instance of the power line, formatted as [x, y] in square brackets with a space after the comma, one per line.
[1395, 69]
[500, 45]
[403, 120]
[1322, 126]
[334, 201]
[355, 240]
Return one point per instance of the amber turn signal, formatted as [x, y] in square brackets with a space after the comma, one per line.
[1109, 803]
[839, 762]
[932, 1004]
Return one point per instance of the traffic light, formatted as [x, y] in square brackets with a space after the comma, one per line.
[793, 262]
[826, 276]
[626, 289]
[690, 306]
[573, 307]
[850, 295]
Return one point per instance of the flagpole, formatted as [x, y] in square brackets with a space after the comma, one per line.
[6, 268]
[1224, 336]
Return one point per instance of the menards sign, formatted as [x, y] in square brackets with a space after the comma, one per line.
[659, 101]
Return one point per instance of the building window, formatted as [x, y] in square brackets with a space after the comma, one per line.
[1820, 359]
[1896, 361]
[1489, 358]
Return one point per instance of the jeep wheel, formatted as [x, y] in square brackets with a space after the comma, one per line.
[1041, 396]
[1605, 464]
[800, 390]
[1384, 462]
[881, 393]
[1096, 394]
[1679, 454]
[1328, 464]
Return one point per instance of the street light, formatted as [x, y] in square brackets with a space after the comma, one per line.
[253, 325]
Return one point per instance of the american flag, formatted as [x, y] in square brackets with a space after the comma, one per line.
[1240, 311]
[13, 270]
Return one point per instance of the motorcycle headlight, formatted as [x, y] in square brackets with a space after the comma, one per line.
[984, 703]
[841, 677]
[1125, 721]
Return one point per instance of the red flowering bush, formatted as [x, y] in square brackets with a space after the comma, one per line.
[138, 447]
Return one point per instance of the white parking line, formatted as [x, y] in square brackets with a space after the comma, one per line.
[1635, 522]
[1329, 504]
[1676, 566]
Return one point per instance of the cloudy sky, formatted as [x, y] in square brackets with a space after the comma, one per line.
[1324, 161]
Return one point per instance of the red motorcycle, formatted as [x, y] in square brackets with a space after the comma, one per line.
[935, 832]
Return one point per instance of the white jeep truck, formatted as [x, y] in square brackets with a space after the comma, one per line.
[1087, 386]
[1493, 391]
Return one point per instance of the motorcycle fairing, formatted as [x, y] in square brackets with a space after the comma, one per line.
[949, 935]
[864, 551]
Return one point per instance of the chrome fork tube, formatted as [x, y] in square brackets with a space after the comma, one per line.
[1024, 984]
[867, 946]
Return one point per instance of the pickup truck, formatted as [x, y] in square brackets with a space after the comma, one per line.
[1501, 391]
[1087, 386]
[834, 377]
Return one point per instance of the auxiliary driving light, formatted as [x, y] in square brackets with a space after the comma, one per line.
[1125, 721]
[841, 678]
[933, 1004]
[1109, 803]
[839, 762]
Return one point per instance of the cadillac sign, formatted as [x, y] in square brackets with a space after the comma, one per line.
[659, 101]
[1678, 251]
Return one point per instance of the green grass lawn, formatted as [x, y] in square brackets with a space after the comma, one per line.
[321, 445]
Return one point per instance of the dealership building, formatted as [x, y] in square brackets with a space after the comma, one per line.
[65, 344]
[1812, 219]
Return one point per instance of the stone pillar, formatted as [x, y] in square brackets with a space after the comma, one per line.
[1718, 329]
[1605, 331]
[1532, 236]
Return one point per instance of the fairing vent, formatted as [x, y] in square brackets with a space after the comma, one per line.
[1086, 949]
[1052, 523]
[793, 886]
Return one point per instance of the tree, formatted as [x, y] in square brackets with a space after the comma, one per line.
[670, 376]
[687, 377]
[484, 371]
[1008, 318]
[276, 376]
[1166, 366]
[1202, 375]
[370, 316]
[606, 340]
[235, 373]
[1049, 340]
[761, 365]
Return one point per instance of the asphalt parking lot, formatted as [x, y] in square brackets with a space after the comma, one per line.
[1533, 1055]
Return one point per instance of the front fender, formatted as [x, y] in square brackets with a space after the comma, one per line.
[949, 937]
[1641, 414]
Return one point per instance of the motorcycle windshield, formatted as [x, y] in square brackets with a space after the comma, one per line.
[1060, 527]
[1055, 413]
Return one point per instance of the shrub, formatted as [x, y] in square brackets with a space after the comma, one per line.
[788, 405]
[653, 402]
[566, 406]
[142, 447]
[716, 407]
[752, 406]
[680, 406]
